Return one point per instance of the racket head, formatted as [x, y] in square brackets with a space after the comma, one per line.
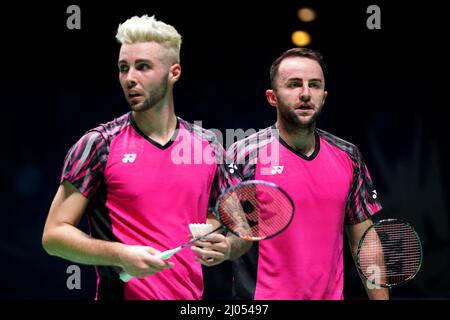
[255, 210]
[389, 253]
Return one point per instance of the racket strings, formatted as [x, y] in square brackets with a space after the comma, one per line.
[390, 251]
[255, 211]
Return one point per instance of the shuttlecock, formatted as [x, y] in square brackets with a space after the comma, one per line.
[200, 229]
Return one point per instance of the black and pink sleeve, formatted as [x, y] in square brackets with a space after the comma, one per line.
[222, 179]
[362, 200]
[85, 162]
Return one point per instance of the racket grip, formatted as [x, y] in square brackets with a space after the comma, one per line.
[168, 253]
[125, 277]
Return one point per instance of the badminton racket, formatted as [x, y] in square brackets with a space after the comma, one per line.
[389, 253]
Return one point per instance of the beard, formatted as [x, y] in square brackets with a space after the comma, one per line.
[292, 119]
[156, 94]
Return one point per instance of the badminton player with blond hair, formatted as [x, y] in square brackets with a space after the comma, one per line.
[138, 193]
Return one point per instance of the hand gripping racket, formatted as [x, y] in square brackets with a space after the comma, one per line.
[389, 253]
[253, 210]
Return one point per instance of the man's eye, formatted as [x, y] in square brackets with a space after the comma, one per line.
[123, 68]
[295, 84]
[314, 85]
[143, 67]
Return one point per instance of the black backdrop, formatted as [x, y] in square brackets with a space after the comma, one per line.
[387, 94]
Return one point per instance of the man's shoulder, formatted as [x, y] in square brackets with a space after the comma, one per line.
[254, 141]
[200, 132]
[110, 129]
[338, 143]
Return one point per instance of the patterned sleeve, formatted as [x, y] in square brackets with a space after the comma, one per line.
[85, 162]
[222, 179]
[362, 201]
[241, 162]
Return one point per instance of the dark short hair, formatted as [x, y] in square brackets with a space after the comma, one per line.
[295, 52]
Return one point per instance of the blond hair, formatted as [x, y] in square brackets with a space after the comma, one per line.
[147, 29]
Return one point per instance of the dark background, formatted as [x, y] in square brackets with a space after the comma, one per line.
[387, 94]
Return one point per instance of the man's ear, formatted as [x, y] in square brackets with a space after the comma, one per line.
[271, 97]
[174, 72]
[325, 94]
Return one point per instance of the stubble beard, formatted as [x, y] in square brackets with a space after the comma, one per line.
[156, 95]
[294, 121]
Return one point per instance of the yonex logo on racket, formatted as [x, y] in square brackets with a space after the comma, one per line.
[128, 157]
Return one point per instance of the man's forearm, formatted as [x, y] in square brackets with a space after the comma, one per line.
[70, 243]
[377, 294]
[374, 293]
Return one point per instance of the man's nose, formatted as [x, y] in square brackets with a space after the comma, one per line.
[131, 78]
[305, 94]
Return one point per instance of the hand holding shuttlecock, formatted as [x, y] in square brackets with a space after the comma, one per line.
[200, 229]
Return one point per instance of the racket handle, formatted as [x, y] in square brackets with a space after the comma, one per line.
[168, 253]
[125, 277]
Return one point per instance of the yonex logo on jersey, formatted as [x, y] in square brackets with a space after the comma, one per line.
[232, 167]
[374, 194]
[128, 157]
[277, 169]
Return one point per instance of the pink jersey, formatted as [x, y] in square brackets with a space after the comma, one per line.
[330, 188]
[143, 193]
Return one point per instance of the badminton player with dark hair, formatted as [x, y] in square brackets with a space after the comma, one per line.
[325, 176]
[141, 183]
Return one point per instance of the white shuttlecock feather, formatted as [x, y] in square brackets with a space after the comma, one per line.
[200, 229]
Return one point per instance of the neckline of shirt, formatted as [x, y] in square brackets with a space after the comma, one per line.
[153, 142]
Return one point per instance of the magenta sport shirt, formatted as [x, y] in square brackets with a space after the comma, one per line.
[330, 188]
[143, 193]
